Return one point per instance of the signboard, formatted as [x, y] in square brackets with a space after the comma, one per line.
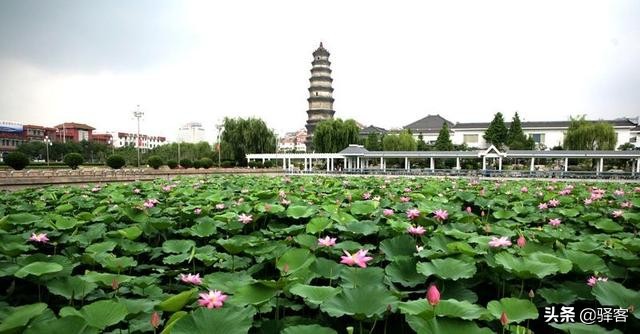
[10, 127]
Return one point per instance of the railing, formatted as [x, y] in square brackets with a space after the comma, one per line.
[479, 173]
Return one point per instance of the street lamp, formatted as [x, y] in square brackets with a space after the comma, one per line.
[47, 143]
[220, 129]
[113, 149]
[138, 114]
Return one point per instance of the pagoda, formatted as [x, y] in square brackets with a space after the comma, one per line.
[320, 92]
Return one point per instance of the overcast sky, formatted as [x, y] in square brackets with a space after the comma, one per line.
[393, 62]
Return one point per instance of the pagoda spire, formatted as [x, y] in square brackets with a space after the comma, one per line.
[320, 92]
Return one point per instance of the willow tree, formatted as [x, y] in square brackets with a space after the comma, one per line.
[585, 135]
[334, 135]
[245, 136]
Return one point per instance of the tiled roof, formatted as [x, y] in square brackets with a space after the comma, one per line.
[544, 124]
[72, 125]
[354, 150]
[431, 123]
[372, 129]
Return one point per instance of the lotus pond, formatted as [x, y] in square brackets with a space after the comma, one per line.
[238, 254]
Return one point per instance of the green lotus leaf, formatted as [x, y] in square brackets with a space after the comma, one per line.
[70, 324]
[326, 268]
[397, 247]
[103, 313]
[131, 232]
[606, 225]
[225, 320]
[578, 328]
[20, 316]
[363, 207]
[299, 211]
[363, 301]
[295, 259]
[558, 296]
[178, 246]
[314, 294]
[403, 271]
[73, 287]
[615, 294]
[308, 329]
[448, 268]
[38, 269]
[256, 293]
[585, 261]
[318, 224]
[517, 310]
[444, 326]
[177, 302]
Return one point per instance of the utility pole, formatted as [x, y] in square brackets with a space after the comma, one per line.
[138, 114]
[219, 144]
[47, 142]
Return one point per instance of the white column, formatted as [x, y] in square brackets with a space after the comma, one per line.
[284, 163]
[637, 165]
[484, 163]
[499, 163]
[406, 163]
[263, 161]
[432, 164]
[381, 163]
[331, 162]
[533, 162]
[566, 164]
[327, 163]
[344, 164]
[601, 164]
[289, 163]
[358, 163]
[458, 163]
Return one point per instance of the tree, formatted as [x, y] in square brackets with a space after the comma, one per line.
[516, 139]
[335, 135]
[421, 145]
[497, 132]
[626, 147]
[17, 160]
[373, 142]
[584, 135]
[403, 141]
[73, 160]
[443, 143]
[244, 136]
[116, 162]
[155, 161]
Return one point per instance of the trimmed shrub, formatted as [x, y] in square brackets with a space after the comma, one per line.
[73, 160]
[197, 164]
[227, 164]
[16, 160]
[116, 162]
[206, 163]
[155, 162]
[172, 164]
[268, 164]
[186, 163]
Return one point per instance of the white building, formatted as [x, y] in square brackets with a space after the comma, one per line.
[122, 139]
[293, 141]
[192, 132]
[546, 134]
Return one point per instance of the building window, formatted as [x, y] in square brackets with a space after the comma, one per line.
[538, 137]
[470, 139]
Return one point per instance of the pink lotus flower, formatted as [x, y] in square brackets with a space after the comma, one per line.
[626, 205]
[499, 242]
[591, 281]
[245, 219]
[376, 198]
[360, 258]
[327, 241]
[588, 201]
[555, 222]
[550, 188]
[618, 192]
[521, 241]
[192, 279]
[197, 211]
[441, 214]
[468, 209]
[40, 237]
[419, 248]
[617, 213]
[155, 320]
[166, 188]
[524, 190]
[416, 230]
[543, 206]
[285, 202]
[413, 213]
[636, 189]
[212, 299]
[282, 194]
[150, 203]
[404, 199]
[220, 206]
[553, 203]
[95, 189]
[136, 191]
[407, 190]
[433, 295]
[366, 195]
[564, 192]
[387, 212]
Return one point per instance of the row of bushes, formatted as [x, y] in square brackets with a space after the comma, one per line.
[19, 161]
[258, 164]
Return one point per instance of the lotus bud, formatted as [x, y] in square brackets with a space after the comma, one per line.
[433, 295]
[531, 294]
[155, 320]
[503, 319]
